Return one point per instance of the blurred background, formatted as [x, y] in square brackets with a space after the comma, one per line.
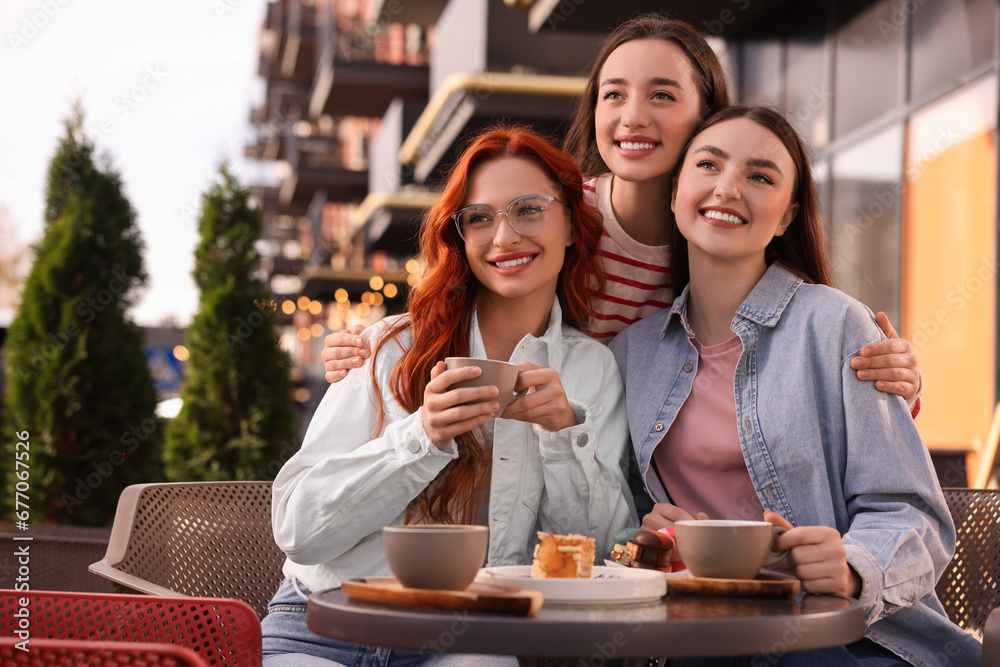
[341, 116]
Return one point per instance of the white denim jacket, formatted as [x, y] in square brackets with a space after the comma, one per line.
[332, 498]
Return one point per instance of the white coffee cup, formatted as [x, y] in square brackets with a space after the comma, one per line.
[725, 549]
[501, 374]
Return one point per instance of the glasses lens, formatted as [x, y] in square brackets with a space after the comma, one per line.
[477, 225]
[529, 215]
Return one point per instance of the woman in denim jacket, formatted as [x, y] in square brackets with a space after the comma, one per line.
[797, 439]
[510, 265]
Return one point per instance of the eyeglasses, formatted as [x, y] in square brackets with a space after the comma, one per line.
[527, 215]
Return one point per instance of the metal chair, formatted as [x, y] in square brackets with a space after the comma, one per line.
[209, 539]
[221, 631]
[73, 653]
[970, 587]
[59, 557]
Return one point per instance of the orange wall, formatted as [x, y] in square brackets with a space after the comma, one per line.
[949, 271]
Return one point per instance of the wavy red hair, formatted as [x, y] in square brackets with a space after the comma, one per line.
[441, 304]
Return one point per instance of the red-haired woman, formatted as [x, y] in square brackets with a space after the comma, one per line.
[511, 265]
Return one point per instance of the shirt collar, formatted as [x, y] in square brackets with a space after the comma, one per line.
[764, 305]
[549, 343]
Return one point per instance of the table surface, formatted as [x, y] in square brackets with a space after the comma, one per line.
[676, 626]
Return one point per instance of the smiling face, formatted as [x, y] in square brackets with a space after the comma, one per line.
[733, 193]
[647, 107]
[512, 266]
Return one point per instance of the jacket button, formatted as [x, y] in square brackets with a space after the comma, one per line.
[582, 440]
[658, 427]
[746, 425]
[413, 446]
[687, 368]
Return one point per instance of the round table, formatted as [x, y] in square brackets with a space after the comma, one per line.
[676, 626]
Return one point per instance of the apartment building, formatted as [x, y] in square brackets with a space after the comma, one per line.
[367, 101]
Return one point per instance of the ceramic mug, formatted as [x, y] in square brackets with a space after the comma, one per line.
[724, 549]
[501, 374]
[435, 556]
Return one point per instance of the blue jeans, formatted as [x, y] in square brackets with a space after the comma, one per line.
[287, 641]
[863, 653]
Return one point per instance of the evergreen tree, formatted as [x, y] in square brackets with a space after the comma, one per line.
[236, 422]
[78, 386]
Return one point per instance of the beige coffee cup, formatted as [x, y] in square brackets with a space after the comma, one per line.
[501, 374]
[435, 556]
[724, 549]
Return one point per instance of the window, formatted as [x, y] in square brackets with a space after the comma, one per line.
[865, 220]
[949, 38]
[949, 260]
[808, 94]
[868, 76]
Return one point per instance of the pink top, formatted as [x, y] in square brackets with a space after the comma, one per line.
[700, 459]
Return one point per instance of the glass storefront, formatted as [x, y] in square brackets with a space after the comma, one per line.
[900, 104]
[949, 259]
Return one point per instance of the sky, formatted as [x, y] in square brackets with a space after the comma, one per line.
[166, 88]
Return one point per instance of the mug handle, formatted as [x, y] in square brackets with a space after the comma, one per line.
[772, 557]
[517, 395]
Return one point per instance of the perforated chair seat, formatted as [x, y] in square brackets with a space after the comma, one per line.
[72, 653]
[220, 631]
[195, 538]
[970, 586]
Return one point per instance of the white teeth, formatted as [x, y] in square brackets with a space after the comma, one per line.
[513, 262]
[633, 146]
[724, 217]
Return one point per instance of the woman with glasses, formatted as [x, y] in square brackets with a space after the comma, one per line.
[511, 268]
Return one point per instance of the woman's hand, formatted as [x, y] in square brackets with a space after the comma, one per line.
[891, 363]
[663, 515]
[546, 404]
[817, 556]
[342, 351]
[443, 414]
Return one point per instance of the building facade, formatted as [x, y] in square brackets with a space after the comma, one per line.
[368, 101]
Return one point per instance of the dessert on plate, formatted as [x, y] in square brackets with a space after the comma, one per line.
[563, 556]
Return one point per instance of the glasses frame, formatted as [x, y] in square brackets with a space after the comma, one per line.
[506, 211]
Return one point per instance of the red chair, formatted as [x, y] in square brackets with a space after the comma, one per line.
[221, 631]
[74, 653]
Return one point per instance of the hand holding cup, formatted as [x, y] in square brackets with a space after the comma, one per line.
[449, 410]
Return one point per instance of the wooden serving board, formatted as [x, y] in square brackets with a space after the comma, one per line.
[477, 597]
[765, 586]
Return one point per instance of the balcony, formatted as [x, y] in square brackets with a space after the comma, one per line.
[317, 163]
[488, 66]
[424, 13]
[390, 223]
[351, 80]
[298, 59]
[729, 19]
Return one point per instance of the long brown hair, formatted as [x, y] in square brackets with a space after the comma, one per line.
[441, 304]
[581, 139]
[802, 248]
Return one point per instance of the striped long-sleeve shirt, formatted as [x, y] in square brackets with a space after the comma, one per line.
[638, 275]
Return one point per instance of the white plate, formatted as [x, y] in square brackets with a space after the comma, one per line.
[608, 585]
[680, 573]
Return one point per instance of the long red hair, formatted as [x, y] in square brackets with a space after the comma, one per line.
[441, 304]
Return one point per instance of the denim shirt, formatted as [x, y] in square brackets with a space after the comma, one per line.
[821, 446]
[349, 479]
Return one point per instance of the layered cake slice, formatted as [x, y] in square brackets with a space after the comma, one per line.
[563, 556]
